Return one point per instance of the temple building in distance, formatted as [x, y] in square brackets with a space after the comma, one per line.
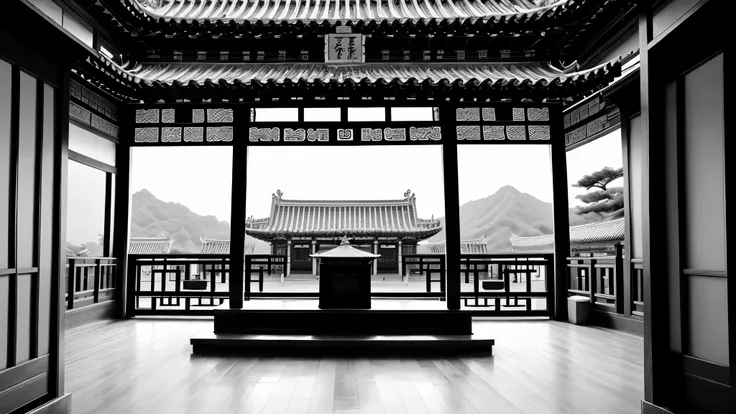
[298, 228]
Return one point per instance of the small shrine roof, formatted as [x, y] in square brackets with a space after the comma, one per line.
[345, 251]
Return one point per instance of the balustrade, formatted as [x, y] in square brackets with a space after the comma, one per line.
[89, 280]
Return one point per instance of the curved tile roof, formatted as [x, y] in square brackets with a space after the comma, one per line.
[478, 246]
[214, 246]
[348, 10]
[606, 232]
[538, 73]
[342, 218]
[150, 245]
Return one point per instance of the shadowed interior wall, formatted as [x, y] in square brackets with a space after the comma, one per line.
[28, 132]
[705, 215]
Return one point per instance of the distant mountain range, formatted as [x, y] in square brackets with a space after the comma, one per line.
[508, 211]
[153, 217]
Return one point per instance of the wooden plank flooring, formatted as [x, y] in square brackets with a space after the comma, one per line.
[146, 366]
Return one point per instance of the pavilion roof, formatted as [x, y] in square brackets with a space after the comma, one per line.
[150, 245]
[540, 80]
[335, 218]
[349, 10]
[215, 246]
[592, 235]
[478, 246]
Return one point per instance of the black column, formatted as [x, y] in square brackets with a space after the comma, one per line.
[123, 291]
[237, 208]
[452, 206]
[561, 215]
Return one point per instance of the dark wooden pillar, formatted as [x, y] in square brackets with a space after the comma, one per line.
[237, 209]
[452, 207]
[561, 211]
[58, 286]
[121, 219]
[656, 316]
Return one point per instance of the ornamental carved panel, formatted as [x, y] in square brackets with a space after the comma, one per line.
[147, 116]
[220, 134]
[168, 116]
[146, 135]
[320, 134]
[537, 114]
[516, 132]
[193, 134]
[467, 114]
[493, 133]
[468, 132]
[539, 133]
[171, 134]
[394, 134]
[294, 135]
[371, 134]
[220, 115]
[256, 134]
[344, 134]
[425, 133]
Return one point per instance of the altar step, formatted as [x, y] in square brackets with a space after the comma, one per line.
[303, 317]
[390, 345]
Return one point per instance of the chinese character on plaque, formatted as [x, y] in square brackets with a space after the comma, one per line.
[344, 48]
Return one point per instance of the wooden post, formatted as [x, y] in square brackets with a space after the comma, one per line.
[561, 213]
[399, 256]
[452, 206]
[71, 277]
[123, 289]
[288, 257]
[237, 212]
[314, 259]
[375, 251]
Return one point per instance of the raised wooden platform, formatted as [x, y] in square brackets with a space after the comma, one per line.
[394, 345]
[408, 327]
[303, 317]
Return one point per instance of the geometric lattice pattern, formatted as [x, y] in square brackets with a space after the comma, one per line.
[467, 114]
[171, 134]
[168, 116]
[219, 115]
[146, 116]
[539, 132]
[146, 135]
[493, 132]
[193, 134]
[537, 114]
[220, 134]
[489, 114]
[468, 132]
[198, 116]
[516, 132]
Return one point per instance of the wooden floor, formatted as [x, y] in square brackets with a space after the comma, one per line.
[146, 366]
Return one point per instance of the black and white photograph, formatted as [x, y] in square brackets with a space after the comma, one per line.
[366, 207]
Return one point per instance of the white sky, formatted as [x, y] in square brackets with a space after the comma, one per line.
[199, 177]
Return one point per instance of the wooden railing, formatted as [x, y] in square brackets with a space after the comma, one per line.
[601, 278]
[596, 278]
[177, 284]
[89, 280]
[508, 284]
[431, 266]
[637, 287]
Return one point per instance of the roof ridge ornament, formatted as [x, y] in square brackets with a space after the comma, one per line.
[408, 195]
[277, 195]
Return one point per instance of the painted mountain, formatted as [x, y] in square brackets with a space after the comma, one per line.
[506, 212]
[153, 217]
